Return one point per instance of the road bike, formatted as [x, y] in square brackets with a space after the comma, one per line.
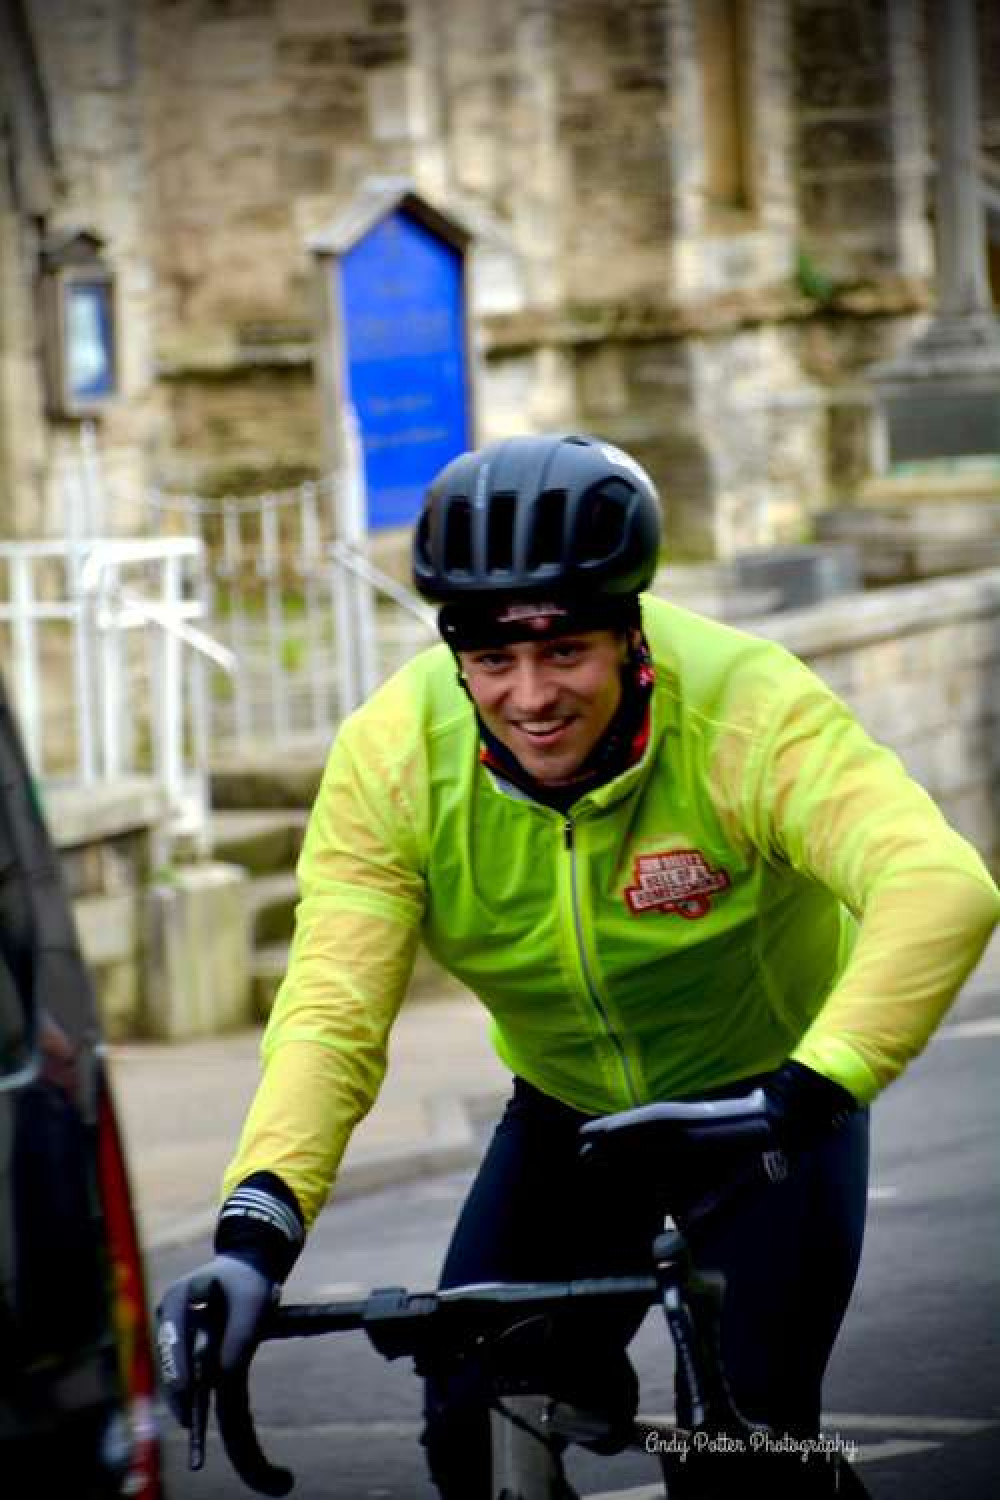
[531, 1431]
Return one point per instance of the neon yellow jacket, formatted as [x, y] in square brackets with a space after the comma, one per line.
[691, 922]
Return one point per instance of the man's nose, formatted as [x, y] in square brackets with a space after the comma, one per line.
[532, 688]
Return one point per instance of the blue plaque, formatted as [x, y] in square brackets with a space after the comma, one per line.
[89, 341]
[404, 326]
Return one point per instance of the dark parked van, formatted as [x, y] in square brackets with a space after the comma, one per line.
[76, 1367]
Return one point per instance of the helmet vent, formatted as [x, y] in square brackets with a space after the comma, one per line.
[500, 535]
[603, 520]
[547, 533]
[458, 538]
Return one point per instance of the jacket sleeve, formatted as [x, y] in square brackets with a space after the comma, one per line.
[841, 809]
[357, 926]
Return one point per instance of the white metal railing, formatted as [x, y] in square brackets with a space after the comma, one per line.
[253, 622]
[312, 624]
[373, 641]
[111, 626]
[267, 597]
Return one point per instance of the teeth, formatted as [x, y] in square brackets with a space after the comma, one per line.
[545, 726]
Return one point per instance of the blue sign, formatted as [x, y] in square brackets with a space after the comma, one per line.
[404, 324]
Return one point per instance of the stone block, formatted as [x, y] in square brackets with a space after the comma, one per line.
[232, 52]
[306, 169]
[884, 661]
[902, 712]
[118, 988]
[839, 671]
[971, 690]
[319, 17]
[834, 140]
[306, 58]
[397, 104]
[108, 927]
[803, 575]
[602, 384]
[972, 813]
[198, 953]
[260, 780]
[959, 758]
[89, 815]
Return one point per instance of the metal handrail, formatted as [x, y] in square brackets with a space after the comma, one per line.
[349, 557]
[99, 608]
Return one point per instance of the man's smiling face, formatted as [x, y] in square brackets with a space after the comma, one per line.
[548, 701]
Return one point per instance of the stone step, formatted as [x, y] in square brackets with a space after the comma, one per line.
[262, 842]
[269, 777]
[271, 902]
[269, 962]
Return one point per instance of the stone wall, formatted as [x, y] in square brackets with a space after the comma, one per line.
[107, 838]
[697, 222]
[862, 136]
[920, 665]
[168, 946]
[86, 110]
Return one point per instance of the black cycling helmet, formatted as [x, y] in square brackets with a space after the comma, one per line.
[560, 517]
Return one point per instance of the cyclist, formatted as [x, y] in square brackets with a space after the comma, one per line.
[671, 864]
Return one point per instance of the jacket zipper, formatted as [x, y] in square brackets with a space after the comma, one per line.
[592, 991]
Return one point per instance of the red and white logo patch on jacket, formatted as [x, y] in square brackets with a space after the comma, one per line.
[678, 880]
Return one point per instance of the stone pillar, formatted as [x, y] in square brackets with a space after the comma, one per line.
[940, 398]
[537, 206]
[963, 283]
[198, 953]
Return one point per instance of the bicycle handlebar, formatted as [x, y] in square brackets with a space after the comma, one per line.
[397, 1322]
[443, 1324]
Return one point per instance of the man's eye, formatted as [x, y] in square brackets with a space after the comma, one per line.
[492, 661]
[566, 653]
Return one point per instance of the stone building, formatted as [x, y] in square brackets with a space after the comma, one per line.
[697, 223]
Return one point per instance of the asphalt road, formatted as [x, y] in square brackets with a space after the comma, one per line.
[915, 1380]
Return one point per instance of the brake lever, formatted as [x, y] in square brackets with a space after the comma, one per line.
[204, 1323]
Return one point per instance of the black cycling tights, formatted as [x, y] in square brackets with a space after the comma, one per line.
[789, 1253]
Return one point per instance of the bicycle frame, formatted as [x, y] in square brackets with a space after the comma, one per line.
[528, 1432]
[529, 1466]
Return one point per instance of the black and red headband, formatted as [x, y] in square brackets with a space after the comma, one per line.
[504, 621]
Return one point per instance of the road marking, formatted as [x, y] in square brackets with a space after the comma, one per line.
[833, 1424]
[866, 1453]
[833, 1421]
[873, 1453]
[876, 1451]
[942, 1426]
[409, 1430]
[331, 1289]
[641, 1492]
[969, 1031]
[881, 1194]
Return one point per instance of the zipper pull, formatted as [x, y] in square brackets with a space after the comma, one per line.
[568, 833]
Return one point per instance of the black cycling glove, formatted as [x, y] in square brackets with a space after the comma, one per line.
[804, 1106]
[258, 1237]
